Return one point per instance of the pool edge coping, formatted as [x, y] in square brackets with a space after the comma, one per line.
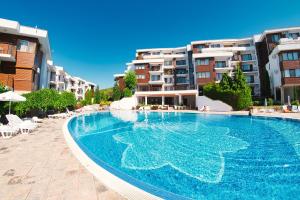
[117, 184]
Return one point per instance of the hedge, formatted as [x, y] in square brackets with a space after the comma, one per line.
[45, 100]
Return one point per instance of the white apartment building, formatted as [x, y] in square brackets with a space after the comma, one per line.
[213, 58]
[60, 80]
[282, 50]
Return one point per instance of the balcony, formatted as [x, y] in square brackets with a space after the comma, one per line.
[156, 80]
[7, 52]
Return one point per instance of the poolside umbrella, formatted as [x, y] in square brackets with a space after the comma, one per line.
[11, 97]
[266, 102]
[289, 101]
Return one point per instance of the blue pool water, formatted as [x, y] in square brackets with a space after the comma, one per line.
[198, 156]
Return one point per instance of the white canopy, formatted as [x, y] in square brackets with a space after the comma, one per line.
[11, 97]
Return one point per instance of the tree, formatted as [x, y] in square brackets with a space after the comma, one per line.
[97, 95]
[130, 80]
[89, 97]
[127, 92]
[226, 82]
[239, 80]
[116, 93]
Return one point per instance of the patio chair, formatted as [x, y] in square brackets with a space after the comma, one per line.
[58, 115]
[70, 113]
[36, 120]
[8, 131]
[24, 126]
[295, 109]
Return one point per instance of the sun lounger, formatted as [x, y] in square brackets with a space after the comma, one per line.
[58, 115]
[7, 131]
[295, 109]
[17, 123]
[36, 120]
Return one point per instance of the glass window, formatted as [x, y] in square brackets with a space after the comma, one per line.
[200, 46]
[202, 61]
[297, 72]
[168, 63]
[246, 57]
[292, 73]
[246, 67]
[181, 80]
[181, 71]
[25, 46]
[140, 67]
[250, 79]
[180, 62]
[203, 74]
[156, 53]
[220, 64]
[219, 76]
[140, 76]
[215, 45]
[275, 38]
[155, 78]
[290, 56]
[244, 45]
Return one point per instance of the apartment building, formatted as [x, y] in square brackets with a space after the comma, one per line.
[164, 76]
[60, 80]
[177, 75]
[24, 52]
[213, 58]
[279, 54]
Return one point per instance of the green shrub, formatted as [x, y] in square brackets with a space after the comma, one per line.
[45, 100]
[295, 103]
[116, 93]
[270, 102]
[127, 92]
[83, 103]
[97, 95]
[89, 97]
[130, 80]
[234, 92]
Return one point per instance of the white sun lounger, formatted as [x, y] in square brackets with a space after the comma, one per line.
[8, 131]
[58, 115]
[295, 109]
[24, 126]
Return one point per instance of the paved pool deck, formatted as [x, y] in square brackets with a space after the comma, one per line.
[40, 166]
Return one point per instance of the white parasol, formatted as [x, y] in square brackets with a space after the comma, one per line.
[11, 97]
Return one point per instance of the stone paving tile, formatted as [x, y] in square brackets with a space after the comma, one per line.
[40, 166]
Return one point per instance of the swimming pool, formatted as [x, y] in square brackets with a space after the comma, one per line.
[198, 156]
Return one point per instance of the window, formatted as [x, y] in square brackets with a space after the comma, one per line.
[140, 76]
[292, 73]
[290, 56]
[244, 45]
[181, 71]
[293, 35]
[246, 57]
[199, 47]
[155, 78]
[219, 76]
[203, 74]
[275, 38]
[181, 80]
[180, 62]
[202, 61]
[140, 67]
[220, 64]
[156, 53]
[168, 63]
[25, 46]
[246, 67]
[215, 45]
[250, 79]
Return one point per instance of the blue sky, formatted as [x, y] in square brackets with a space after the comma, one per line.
[94, 39]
